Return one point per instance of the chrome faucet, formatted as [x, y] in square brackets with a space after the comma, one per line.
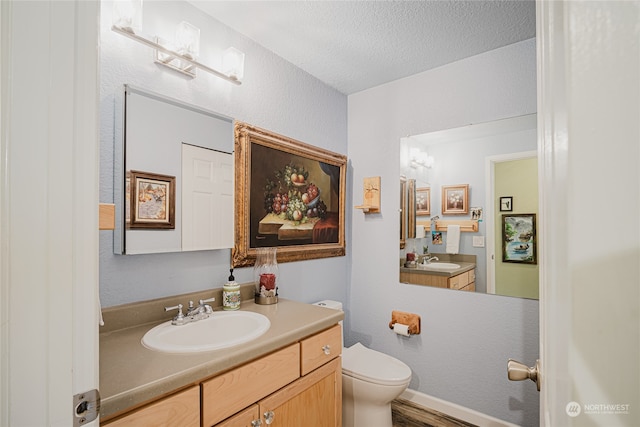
[202, 311]
[426, 260]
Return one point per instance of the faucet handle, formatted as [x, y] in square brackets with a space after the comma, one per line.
[207, 308]
[180, 316]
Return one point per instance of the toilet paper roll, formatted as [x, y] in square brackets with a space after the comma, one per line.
[401, 329]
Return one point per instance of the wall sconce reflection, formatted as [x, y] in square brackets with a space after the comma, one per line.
[419, 158]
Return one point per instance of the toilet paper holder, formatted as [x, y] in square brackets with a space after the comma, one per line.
[410, 319]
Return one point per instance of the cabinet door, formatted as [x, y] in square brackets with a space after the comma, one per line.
[250, 417]
[314, 400]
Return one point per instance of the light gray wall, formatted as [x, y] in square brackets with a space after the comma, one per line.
[275, 95]
[461, 354]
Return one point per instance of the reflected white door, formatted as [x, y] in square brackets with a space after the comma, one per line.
[207, 199]
[588, 110]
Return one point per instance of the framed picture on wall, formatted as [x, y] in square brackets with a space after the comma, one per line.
[519, 238]
[423, 201]
[288, 195]
[455, 199]
[506, 204]
[153, 200]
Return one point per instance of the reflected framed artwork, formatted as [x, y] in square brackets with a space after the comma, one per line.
[519, 238]
[423, 201]
[455, 199]
[289, 195]
[506, 204]
[153, 200]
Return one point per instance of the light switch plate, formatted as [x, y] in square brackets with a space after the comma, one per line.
[478, 241]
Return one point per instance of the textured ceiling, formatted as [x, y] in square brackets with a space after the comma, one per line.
[355, 45]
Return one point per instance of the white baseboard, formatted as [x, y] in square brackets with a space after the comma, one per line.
[453, 410]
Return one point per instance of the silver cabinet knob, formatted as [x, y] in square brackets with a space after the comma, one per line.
[327, 349]
[268, 417]
[256, 423]
[517, 371]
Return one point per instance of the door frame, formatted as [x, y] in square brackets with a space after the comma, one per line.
[49, 186]
[588, 104]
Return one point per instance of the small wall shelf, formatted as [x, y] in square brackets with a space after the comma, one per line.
[371, 195]
[466, 226]
[107, 220]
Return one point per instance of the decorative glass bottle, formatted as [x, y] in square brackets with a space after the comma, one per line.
[265, 272]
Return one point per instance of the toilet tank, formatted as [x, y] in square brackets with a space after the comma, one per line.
[335, 305]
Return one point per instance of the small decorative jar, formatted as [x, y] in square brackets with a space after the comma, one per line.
[265, 276]
[231, 294]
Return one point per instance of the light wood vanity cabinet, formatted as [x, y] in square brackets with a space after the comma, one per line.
[179, 409]
[313, 397]
[226, 394]
[298, 385]
[313, 400]
[465, 281]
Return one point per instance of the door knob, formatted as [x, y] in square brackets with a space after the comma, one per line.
[517, 371]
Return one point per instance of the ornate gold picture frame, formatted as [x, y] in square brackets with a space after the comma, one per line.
[288, 195]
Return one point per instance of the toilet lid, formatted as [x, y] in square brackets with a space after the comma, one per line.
[372, 366]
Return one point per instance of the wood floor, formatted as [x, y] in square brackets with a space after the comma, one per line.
[406, 414]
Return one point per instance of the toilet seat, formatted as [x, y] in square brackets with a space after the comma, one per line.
[374, 367]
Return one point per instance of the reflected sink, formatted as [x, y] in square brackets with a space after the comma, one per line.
[439, 266]
[222, 330]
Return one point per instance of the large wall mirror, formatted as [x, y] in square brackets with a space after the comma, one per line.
[174, 176]
[498, 162]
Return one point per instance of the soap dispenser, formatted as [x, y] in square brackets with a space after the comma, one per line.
[231, 294]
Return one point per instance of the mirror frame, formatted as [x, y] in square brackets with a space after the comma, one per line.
[403, 212]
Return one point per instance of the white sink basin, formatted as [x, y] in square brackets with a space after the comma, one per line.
[222, 330]
[439, 266]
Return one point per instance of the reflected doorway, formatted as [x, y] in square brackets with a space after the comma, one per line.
[512, 179]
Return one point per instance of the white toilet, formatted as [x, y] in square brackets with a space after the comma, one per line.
[370, 382]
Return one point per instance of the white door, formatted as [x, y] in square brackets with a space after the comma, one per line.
[207, 199]
[589, 115]
[48, 210]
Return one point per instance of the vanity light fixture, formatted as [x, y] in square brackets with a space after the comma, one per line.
[233, 63]
[183, 54]
[419, 158]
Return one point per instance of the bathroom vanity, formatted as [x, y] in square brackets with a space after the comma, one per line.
[462, 278]
[464, 281]
[291, 374]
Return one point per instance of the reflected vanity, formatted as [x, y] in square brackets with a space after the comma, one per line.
[495, 159]
[173, 176]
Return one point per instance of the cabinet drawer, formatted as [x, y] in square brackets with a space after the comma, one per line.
[181, 409]
[243, 386]
[320, 348]
[459, 281]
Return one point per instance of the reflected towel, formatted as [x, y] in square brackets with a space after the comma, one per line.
[453, 239]
[100, 319]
